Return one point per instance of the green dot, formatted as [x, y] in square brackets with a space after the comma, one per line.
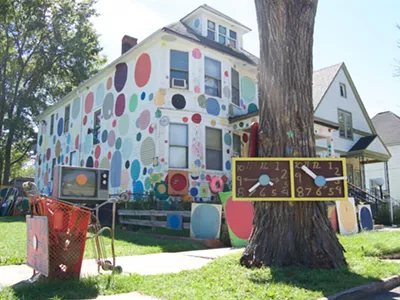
[241, 124]
[158, 113]
[118, 144]
[133, 103]
[147, 183]
[223, 107]
[138, 136]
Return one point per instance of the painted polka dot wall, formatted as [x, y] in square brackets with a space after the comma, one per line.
[124, 122]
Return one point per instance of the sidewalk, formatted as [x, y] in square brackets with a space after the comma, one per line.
[150, 264]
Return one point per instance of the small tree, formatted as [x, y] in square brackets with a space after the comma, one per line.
[300, 233]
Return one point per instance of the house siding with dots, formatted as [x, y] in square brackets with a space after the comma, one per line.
[130, 120]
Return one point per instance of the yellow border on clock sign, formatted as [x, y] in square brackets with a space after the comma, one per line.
[291, 167]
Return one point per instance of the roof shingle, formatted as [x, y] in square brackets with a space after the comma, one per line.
[322, 80]
[387, 125]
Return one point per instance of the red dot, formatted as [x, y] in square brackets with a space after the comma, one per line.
[196, 118]
[77, 142]
[66, 159]
[224, 178]
[245, 138]
[114, 123]
[96, 164]
[239, 216]
[84, 120]
[109, 155]
[97, 152]
[208, 178]
[162, 160]
[185, 119]
[151, 129]
[142, 70]
[226, 74]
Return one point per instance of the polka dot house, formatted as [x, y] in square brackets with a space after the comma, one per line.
[161, 117]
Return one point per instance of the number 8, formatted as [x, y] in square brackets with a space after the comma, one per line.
[240, 192]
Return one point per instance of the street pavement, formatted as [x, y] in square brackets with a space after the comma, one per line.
[390, 295]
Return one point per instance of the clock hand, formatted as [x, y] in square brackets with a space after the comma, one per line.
[308, 171]
[336, 178]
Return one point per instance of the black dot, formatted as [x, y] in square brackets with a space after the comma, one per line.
[178, 101]
[89, 162]
[144, 171]
[227, 151]
[127, 164]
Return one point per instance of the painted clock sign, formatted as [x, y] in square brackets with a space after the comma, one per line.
[289, 179]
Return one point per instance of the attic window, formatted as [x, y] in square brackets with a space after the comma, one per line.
[211, 30]
[343, 92]
[222, 35]
[233, 38]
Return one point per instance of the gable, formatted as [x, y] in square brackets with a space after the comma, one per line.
[332, 101]
[378, 147]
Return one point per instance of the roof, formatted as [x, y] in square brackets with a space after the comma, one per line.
[387, 125]
[363, 143]
[322, 80]
[184, 31]
[218, 13]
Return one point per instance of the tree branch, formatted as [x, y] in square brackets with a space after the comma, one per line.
[22, 156]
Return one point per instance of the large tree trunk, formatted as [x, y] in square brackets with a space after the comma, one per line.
[284, 233]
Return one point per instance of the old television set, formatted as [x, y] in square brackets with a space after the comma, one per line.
[80, 184]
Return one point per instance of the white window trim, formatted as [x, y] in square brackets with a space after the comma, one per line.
[215, 31]
[345, 125]
[187, 147]
[169, 69]
[222, 148]
[220, 80]
[233, 39]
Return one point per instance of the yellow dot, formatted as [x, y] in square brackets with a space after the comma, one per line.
[213, 122]
[163, 44]
[162, 188]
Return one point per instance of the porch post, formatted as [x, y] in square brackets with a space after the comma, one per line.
[386, 168]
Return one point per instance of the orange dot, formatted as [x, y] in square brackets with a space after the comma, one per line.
[81, 179]
[213, 122]
[109, 83]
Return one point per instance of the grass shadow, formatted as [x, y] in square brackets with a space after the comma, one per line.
[11, 219]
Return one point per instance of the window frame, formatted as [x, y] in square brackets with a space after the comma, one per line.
[222, 35]
[240, 144]
[212, 30]
[207, 148]
[342, 85]
[232, 39]
[346, 113]
[219, 88]
[234, 88]
[52, 124]
[179, 146]
[179, 70]
[70, 156]
[96, 127]
[66, 120]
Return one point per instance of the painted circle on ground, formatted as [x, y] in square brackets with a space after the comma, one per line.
[147, 151]
[133, 103]
[202, 100]
[97, 152]
[125, 178]
[77, 142]
[105, 163]
[123, 125]
[197, 89]
[89, 162]
[226, 91]
[239, 216]
[87, 145]
[196, 118]
[81, 179]
[147, 183]
[143, 96]
[366, 219]
[144, 119]
[100, 94]
[108, 106]
[248, 89]
[213, 107]
[252, 108]
[118, 143]
[120, 105]
[104, 136]
[121, 74]
[205, 221]
[178, 101]
[127, 148]
[109, 83]
[60, 126]
[115, 170]
[58, 148]
[135, 170]
[76, 108]
[142, 70]
[111, 138]
[178, 182]
[196, 53]
[347, 216]
[89, 103]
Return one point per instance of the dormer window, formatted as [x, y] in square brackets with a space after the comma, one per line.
[233, 38]
[211, 30]
[222, 35]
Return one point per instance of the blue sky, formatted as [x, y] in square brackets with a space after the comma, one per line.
[361, 33]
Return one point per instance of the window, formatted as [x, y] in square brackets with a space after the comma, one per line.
[211, 30]
[233, 38]
[236, 146]
[213, 149]
[72, 158]
[66, 118]
[345, 124]
[179, 66]
[178, 146]
[96, 127]
[343, 92]
[222, 35]
[212, 77]
[52, 124]
[235, 87]
[53, 165]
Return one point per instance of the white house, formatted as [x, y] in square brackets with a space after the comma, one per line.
[387, 125]
[172, 110]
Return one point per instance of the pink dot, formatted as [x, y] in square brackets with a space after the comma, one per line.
[109, 155]
[197, 89]
[114, 123]
[151, 129]
[162, 160]
[84, 120]
[97, 152]
[196, 53]
[96, 164]
[185, 119]
[208, 178]
[89, 102]
[226, 74]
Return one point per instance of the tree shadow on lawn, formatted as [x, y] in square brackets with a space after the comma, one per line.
[326, 281]
[11, 219]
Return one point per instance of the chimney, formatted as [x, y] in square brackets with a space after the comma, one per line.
[128, 42]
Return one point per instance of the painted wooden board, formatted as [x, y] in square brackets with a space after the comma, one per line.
[178, 183]
[239, 218]
[174, 222]
[205, 222]
[37, 244]
[347, 217]
[332, 215]
[365, 217]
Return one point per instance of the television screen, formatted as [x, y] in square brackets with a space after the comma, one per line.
[78, 183]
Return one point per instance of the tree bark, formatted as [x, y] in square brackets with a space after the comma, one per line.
[288, 233]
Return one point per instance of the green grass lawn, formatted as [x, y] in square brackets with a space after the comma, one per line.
[13, 243]
[224, 278]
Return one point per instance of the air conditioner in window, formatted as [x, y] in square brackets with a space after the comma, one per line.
[179, 83]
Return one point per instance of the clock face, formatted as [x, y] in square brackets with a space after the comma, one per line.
[312, 179]
[261, 179]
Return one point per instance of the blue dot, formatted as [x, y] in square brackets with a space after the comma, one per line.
[143, 96]
[194, 192]
[264, 179]
[320, 181]
[151, 96]
[228, 165]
